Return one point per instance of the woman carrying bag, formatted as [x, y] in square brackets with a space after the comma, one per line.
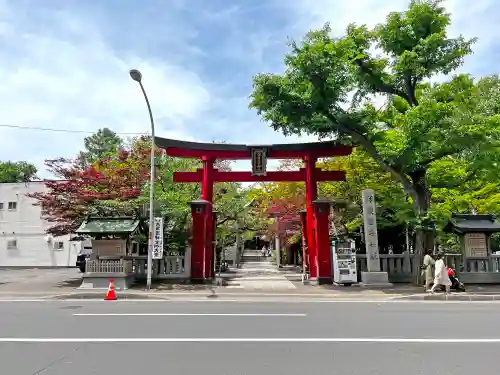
[427, 271]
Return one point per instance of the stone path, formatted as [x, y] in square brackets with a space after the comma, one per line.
[257, 273]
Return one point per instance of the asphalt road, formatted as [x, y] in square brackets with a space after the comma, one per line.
[218, 338]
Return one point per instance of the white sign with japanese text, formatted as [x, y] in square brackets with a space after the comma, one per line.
[158, 238]
[370, 226]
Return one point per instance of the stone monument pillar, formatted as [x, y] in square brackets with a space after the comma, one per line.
[278, 251]
[374, 276]
[303, 226]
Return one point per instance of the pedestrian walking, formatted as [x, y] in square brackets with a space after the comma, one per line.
[441, 275]
[427, 270]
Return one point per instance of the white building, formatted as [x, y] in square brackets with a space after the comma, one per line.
[23, 241]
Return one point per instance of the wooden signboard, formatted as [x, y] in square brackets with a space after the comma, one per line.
[476, 245]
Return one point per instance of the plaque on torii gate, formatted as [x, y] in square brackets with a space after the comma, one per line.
[316, 218]
[259, 161]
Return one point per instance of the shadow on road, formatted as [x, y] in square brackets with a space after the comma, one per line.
[166, 285]
[70, 283]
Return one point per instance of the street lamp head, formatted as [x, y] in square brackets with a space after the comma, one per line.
[135, 75]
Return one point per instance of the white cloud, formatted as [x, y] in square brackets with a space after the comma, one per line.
[73, 80]
[476, 18]
[59, 69]
[470, 18]
[314, 14]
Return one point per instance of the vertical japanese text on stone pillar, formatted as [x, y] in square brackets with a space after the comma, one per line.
[370, 225]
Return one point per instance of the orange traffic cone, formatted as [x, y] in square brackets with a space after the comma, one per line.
[110, 294]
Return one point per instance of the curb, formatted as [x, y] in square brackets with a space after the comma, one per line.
[452, 297]
[221, 296]
[96, 296]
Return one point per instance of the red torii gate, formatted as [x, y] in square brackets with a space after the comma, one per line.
[315, 220]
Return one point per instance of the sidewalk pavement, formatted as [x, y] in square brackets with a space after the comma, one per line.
[19, 291]
[221, 294]
[63, 284]
[166, 290]
[317, 294]
[37, 282]
[217, 295]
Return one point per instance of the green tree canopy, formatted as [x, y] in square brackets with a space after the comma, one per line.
[330, 85]
[104, 142]
[17, 171]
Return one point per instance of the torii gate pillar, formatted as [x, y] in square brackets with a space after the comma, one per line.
[311, 195]
[207, 193]
[323, 247]
[200, 209]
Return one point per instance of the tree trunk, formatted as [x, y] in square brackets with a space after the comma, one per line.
[424, 239]
[415, 186]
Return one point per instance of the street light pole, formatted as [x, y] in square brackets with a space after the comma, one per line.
[137, 76]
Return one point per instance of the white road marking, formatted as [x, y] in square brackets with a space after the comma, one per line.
[252, 339]
[190, 314]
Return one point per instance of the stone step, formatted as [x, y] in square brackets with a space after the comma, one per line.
[248, 271]
[250, 258]
[256, 263]
[259, 277]
[256, 270]
[263, 285]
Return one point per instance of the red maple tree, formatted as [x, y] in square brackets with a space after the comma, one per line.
[80, 190]
[285, 210]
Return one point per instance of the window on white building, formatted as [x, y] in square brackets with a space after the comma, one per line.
[11, 244]
[1, 206]
[59, 245]
[12, 205]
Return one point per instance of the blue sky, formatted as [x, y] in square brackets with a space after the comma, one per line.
[65, 64]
